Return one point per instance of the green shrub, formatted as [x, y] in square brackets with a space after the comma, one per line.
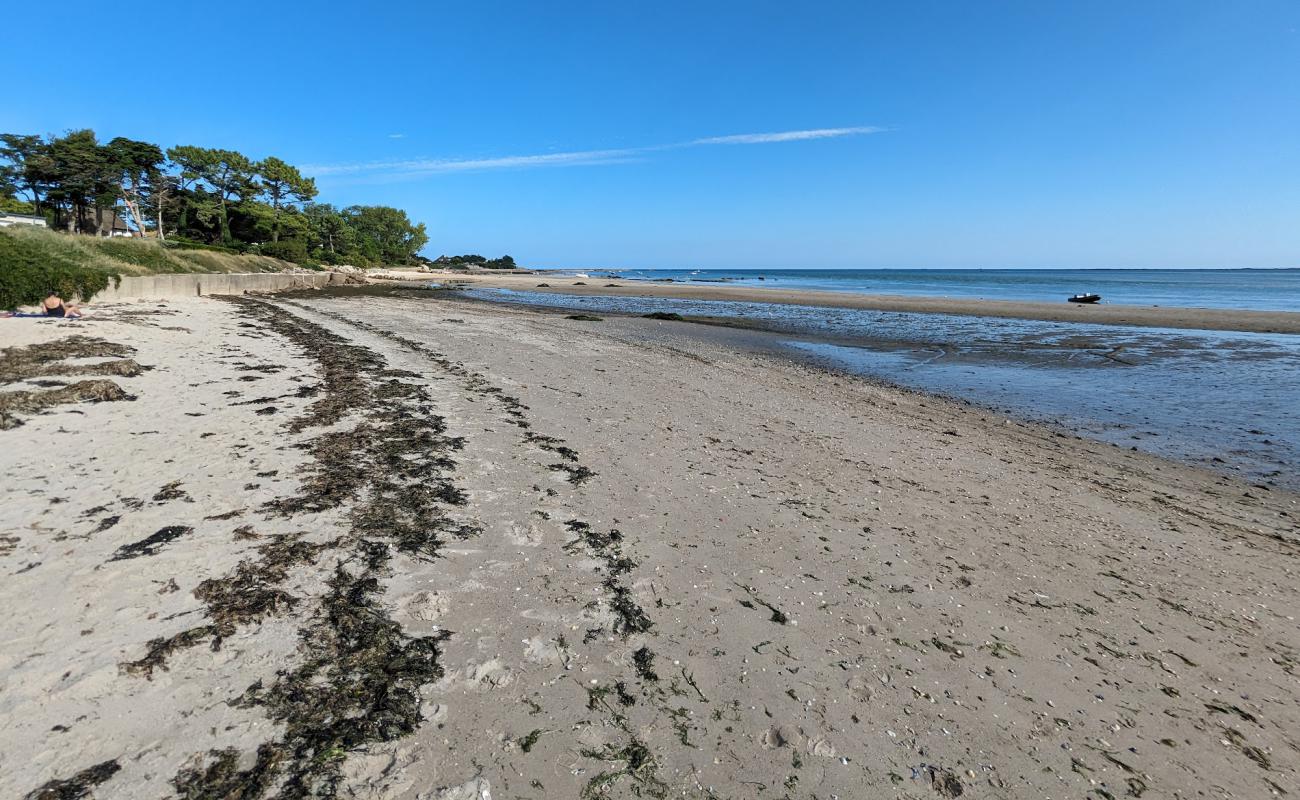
[286, 250]
[28, 273]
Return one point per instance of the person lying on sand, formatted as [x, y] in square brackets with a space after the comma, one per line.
[53, 306]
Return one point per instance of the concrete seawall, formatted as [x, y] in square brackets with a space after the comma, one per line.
[165, 287]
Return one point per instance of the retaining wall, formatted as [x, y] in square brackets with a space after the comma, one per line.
[164, 287]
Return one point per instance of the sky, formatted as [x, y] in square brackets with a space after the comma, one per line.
[756, 134]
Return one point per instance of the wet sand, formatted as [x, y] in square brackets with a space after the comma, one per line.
[386, 548]
[1218, 319]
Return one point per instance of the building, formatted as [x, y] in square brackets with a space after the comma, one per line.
[8, 220]
[103, 222]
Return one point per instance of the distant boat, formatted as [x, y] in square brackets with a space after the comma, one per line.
[1083, 298]
[581, 275]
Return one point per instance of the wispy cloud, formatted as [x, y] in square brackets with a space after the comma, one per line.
[396, 136]
[436, 165]
[787, 136]
[578, 158]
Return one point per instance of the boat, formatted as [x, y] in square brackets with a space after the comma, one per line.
[1083, 298]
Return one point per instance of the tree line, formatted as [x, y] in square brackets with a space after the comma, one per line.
[197, 195]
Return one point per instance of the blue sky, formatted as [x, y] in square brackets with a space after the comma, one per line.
[915, 134]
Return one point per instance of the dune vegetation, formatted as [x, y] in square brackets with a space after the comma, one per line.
[33, 261]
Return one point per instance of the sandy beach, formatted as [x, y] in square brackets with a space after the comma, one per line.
[375, 547]
[1219, 319]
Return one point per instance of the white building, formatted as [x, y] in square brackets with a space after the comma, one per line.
[8, 220]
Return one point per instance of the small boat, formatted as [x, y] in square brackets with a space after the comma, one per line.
[1083, 298]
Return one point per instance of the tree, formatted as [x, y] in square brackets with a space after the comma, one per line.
[12, 205]
[227, 173]
[385, 234]
[80, 174]
[230, 174]
[328, 231]
[190, 162]
[283, 185]
[27, 168]
[138, 168]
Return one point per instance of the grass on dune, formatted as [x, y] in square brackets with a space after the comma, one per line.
[126, 256]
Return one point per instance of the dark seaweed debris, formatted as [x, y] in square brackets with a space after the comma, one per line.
[248, 594]
[25, 363]
[20, 363]
[644, 661]
[223, 780]
[552, 444]
[23, 402]
[359, 685]
[638, 764]
[665, 315]
[778, 616]
[577, 473]
[629, 617]
[78, 786]
[106, 523]
[171, 491]
[152, 544]
[361, 674]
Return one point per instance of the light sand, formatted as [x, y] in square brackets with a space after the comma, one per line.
[836, 589]
[1102, 314]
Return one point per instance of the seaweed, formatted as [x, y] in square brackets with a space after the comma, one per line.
[151, 544]
[638, 765]
[629, 617]
[25, 402]
[359, 684]
[586, 317]
[360, 678]
[171, 491]
[106, 523]
[78, 786]
[551, 444]
[778, 616]
[576, 472]
[158, 651]
[223, 780]
[670, 316]
[644, 660]
[526, 743]
[20, 363]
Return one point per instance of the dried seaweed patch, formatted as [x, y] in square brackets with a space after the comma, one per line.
[360, 679]
[25, 402]
[78, 786]
[20, 363]
[152, 544]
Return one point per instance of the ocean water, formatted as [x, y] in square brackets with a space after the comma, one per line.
[1261, 289]
[1227, 401]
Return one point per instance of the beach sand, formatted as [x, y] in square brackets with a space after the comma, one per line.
[1220, 319]
[378, 547]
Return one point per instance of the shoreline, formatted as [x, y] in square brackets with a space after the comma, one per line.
[1284, 322]
[605, 558]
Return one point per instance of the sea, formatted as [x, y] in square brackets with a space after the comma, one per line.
[1223, 400]
[1258, 289]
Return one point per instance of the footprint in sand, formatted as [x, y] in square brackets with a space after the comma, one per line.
[426, 606]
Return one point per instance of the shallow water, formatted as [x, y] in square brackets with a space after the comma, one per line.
[1259, 289]
[1226, 400]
